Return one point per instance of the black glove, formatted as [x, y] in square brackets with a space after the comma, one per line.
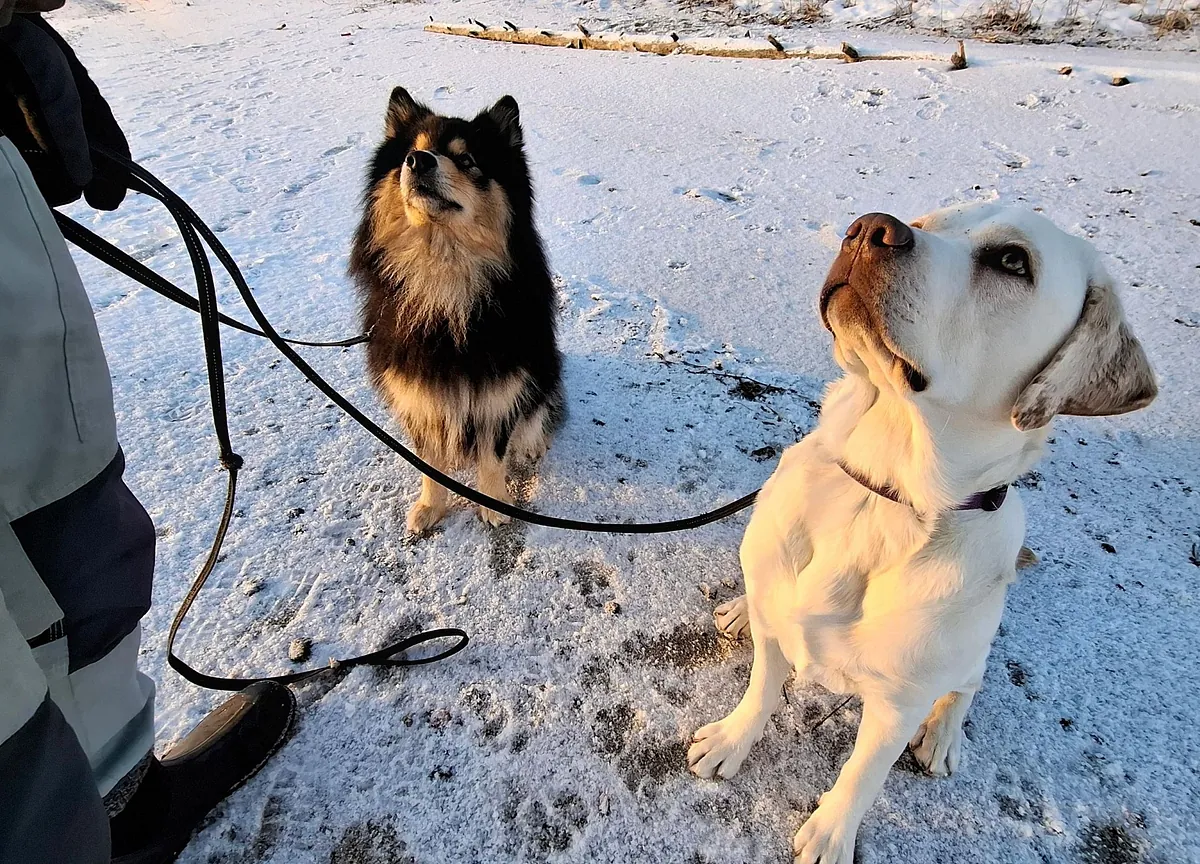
[53, 112]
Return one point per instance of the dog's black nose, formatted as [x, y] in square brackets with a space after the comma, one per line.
[881, 231]
[421, 161]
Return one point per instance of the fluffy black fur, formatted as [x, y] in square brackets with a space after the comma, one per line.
[511, 325]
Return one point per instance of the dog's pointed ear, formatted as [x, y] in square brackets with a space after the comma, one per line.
[402, 110]
[1099, 370]
[507, 117]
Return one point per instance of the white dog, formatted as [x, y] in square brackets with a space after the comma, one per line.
[880, 550]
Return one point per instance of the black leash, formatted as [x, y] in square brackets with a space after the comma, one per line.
[205, 303]
[99, 248]
[190, 224]
[193, 230]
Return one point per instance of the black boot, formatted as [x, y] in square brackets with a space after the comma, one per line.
[218, 756]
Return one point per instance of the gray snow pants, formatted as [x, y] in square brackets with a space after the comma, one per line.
[76, 556]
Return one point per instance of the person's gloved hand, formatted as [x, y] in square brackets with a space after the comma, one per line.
[53, 112]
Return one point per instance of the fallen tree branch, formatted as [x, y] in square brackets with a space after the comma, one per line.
[749, 389]
[760, 387]
[748, 49]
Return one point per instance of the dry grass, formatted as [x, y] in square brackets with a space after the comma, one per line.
[999, 20]
[812, 11]
[1009, 16]
[1071, 14]
[1170, 21]
[799, 12]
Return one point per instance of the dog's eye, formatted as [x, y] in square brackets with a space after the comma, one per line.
[466, 161]
[1015, 261]
[1008, 259]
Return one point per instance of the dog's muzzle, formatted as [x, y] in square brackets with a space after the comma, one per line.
[871, 241]
[427, 182]
[872, 246]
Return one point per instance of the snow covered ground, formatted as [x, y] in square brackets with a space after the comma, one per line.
[1006, 20]
[1169, 24]
[689, 204]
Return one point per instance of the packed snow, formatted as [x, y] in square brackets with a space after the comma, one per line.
[690, 207]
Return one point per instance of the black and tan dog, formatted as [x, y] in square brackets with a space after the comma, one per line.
[457, 296]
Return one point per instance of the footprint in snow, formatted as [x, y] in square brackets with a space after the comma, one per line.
[1011, 158]
[289, 220]
[508, 545]
[1034, 101]
[807, 148]
[713, 195]
[370, 842]
[541, 828]
[932, 107]
[588, 180]
[871, 98]
[651, 762]
[1113, 842]
[227, 221]
[245, 185]
[334, 151]
[931, 75]
[303, 183]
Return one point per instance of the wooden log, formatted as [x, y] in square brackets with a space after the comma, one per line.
[958, 60]
[748, 49]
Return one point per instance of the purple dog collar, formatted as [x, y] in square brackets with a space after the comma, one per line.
[989, 501]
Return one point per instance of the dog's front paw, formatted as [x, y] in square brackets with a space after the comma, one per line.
[493, 518]
[937, 745]
[719, 749]
[733, 618]
[826, 838]
[424, 516]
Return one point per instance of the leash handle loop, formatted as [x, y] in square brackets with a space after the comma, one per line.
[387, 656]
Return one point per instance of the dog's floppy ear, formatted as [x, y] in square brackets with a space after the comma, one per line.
[1100, 369]
[507, 117]
[402, 110]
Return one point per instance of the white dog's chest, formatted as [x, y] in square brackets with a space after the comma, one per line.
[819, 654]
[846, 626]
[860, 593]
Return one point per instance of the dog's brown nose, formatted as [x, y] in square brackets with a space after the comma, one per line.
[872, 241]
[880, 231]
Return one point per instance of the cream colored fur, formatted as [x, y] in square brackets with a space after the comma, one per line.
[445, 258]
[899, 603]
[433, 418]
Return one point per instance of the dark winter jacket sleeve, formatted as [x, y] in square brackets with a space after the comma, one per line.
[8, 7]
